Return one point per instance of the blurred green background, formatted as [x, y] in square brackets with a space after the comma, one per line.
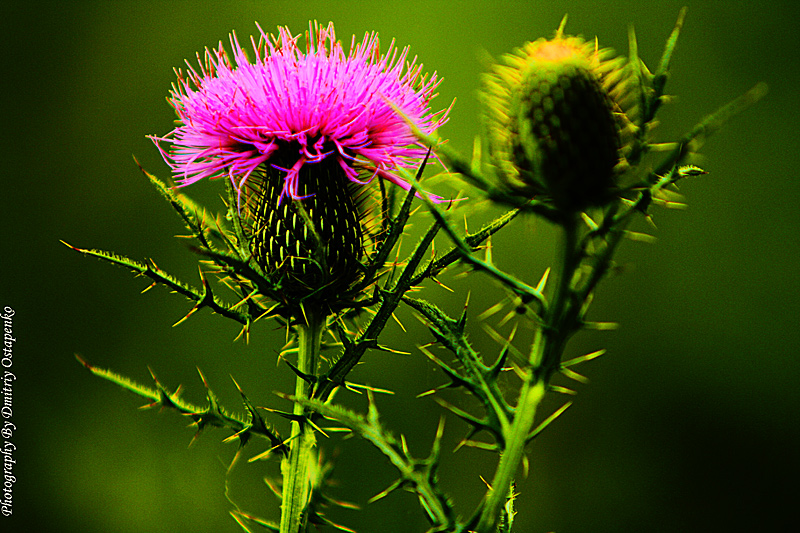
[690, 422]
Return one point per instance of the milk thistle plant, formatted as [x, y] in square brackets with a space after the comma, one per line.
[322, 152]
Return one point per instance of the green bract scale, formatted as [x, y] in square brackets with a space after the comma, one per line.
[552, 122]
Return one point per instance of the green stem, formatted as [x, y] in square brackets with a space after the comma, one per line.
[560, 321]
[544, 359]
[530, 397]
[297, 469]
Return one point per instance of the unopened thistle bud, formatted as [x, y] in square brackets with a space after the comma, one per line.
[551, 123]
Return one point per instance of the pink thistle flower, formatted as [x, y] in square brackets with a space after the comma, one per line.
[236, 116]
[312, 126]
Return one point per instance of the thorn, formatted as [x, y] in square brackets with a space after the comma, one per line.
[547, 421]
[267, 453]
[399, 323]
[560, 30]
[388, 490]
[192, 311]
[491, 311]
[439, 433]
[344, 505]
[315, 426]
[460, 445]
[273, 487]
[391, 350]
[462, 320]
[561, 390]
[233, 437]
[305, 317]
[442, 285]
[639, 237]
[235, 459]
[589, 222]
[308, 378]
[202, 377]
[582, 358]
[508, 316]
[601, 326]
[477, 445]
[244, 333]
[238, 516]
[149, 287]
[543, 281]
[349, 387]
[574, 375]
[366, 387]
[432, 391]
[505, 342]
[463, 415]
[68, 245]
[237, 385]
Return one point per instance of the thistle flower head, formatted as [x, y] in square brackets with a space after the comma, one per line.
[551, 124]
[298, 133]
[292, 108]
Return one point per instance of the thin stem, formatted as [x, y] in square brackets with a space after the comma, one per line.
[297, 469]
[545, 355]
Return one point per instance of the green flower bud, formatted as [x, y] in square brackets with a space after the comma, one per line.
[552, 123]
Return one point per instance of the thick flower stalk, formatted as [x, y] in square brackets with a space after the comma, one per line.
[315, 125]
[553, 124]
